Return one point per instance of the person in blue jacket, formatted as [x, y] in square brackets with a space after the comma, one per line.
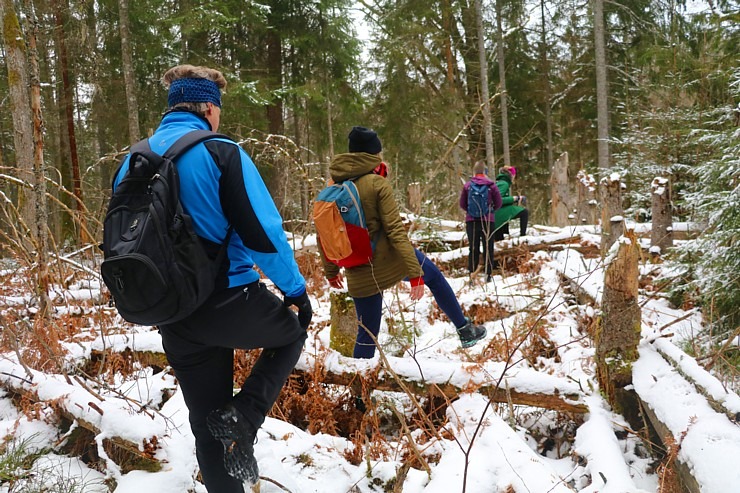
[221, 187]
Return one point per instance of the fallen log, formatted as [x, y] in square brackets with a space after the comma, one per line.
[125, 453]
[687, 427]
[556, 401]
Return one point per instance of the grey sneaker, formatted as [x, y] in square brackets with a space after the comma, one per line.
[470, 333]
[231, 428]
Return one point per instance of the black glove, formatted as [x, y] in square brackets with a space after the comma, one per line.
[305, 312]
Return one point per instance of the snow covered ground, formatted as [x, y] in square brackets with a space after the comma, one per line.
[480, 446]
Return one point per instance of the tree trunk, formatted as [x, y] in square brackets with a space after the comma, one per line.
[618, 332]
[560, 192]
[42, 217]
[661, 237]
[546, 81]
[413, 194]
[612, 222]
[343, 332]
[484, 95]
[602, 87]
[502, 83]
[60, 6]
[447, 20]
[587, 202]
[330, 130]
[20, 106]
[274, 110]
[129, 74]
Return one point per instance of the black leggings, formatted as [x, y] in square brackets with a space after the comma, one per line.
[480, 234]
[523, 216]
[200, 350]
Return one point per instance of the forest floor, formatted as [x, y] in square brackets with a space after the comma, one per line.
[88, 403]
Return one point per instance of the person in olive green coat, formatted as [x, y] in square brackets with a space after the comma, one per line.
[394, 257]
[511, 207]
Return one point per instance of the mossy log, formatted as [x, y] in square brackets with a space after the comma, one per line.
[343, 331]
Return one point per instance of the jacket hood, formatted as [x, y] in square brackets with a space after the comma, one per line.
[482, 180]
[352, 164]
[504, 177]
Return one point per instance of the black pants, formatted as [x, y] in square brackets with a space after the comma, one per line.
[523, 216]
[480, 234]
[200, 350]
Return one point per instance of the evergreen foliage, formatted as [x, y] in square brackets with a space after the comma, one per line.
[713, 261]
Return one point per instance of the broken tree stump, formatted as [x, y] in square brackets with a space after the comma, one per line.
[661, 237]
[343, 331]
[560, 192]
[618, 332]
[587, 208]
[413, 198]
[612, 221]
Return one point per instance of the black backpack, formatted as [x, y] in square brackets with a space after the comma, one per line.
[155, 266]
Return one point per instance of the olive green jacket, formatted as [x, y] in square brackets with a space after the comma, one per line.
[508, 208]
[394, 257]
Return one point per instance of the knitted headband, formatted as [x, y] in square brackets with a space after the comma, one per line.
[194, 90]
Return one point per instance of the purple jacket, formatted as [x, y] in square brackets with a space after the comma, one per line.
[494, 196]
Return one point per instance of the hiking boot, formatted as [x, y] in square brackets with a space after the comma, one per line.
[470, 333]
[231, 428]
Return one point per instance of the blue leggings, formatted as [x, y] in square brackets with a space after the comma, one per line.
[370, 309]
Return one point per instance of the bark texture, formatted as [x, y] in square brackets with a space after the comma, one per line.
[20, 105]
[559, 192]
[612, 222]
[618, 333]
[662, 211]
[587, 202]
[343, 332]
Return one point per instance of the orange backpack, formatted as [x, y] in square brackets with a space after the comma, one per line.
[340, 225]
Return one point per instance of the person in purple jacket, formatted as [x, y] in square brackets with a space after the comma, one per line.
[479, 199]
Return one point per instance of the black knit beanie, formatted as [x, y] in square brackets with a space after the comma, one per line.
[363, 139]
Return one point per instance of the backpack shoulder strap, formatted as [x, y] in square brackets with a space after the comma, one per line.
[189, 140]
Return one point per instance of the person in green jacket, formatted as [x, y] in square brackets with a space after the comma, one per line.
[512, 207]
[394, 257]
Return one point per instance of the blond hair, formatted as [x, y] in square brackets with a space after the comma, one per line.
[193, 72]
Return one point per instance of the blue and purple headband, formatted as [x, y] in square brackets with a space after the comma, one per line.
[193, 90]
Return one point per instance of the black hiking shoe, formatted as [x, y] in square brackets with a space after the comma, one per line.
[232, 429]
[470, 333]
